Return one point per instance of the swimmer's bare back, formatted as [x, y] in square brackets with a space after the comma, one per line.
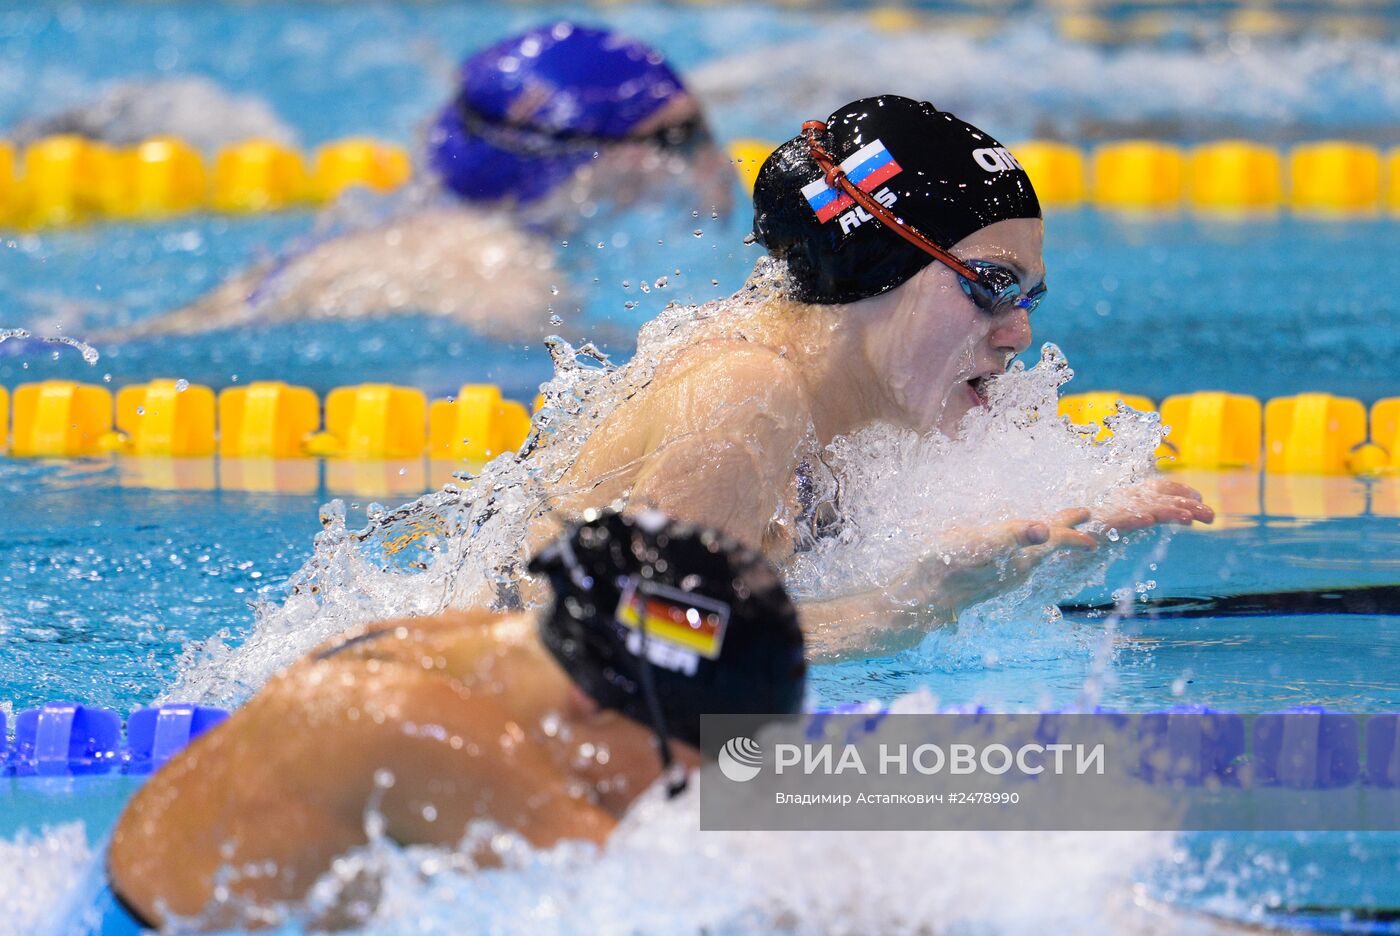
[474, 267]
[431, 722]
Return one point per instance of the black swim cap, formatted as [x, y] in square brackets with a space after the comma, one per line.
[944, 177]
[721, 635]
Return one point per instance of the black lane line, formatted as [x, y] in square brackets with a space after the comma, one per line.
[1371, 599]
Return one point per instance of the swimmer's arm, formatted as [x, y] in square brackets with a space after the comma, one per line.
[286, 784]
[973, 565]
[969, 567]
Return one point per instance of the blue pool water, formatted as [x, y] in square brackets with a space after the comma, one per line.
[103, 583]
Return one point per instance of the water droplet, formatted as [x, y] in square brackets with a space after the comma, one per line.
[644, 286]
[563, 243]
[626, 284]
[556, 321]
[600, 245]
[402, 472]
[661, 282]
[714, 282]
[750, 238]
[181, 385]
[140, 411]
[1112, 534]
[629, 305]
[698, 233]
[695, 213]
[106, 378]
[554, 290]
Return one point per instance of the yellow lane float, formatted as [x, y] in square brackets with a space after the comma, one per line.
[267, 419]
[1212, 430]
[170, 418]
[373, 421]
[476, 425]
[1312, 433]
[60, 419]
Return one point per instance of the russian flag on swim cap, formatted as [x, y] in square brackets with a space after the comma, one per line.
[868, 167]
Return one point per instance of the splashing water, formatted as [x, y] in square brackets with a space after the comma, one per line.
[466, 544]
[658, 873]
[1078, 91]
[903, 497]
[460, 546]
[38, 873]
[899, 495]
[89, 353]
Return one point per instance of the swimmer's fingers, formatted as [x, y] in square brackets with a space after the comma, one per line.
[1177, 509]
[1061, 539]
[1067, 537]
[1175, 496]
[1073, 516]
[1173, 488]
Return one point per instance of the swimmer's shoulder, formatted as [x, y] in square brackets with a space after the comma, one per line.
[730, 375]
[391, 638]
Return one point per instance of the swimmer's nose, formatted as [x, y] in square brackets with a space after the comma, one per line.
[1013, 331]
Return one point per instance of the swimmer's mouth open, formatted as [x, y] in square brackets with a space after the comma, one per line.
[980, 386]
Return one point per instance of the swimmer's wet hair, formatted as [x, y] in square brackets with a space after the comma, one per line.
[724, 636]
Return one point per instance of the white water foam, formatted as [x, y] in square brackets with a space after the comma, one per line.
[903, 497]
[659, 874]
[192, 108]
[40, 872]
[1029, 81]
[900, 494]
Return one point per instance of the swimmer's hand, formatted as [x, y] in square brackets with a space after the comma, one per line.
[974, 564]
[1151, 503]
[970, 565]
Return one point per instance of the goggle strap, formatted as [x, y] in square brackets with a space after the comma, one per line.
[676, 781]
[837, 178]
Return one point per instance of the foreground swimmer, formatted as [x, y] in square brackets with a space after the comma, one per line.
[544, 127]
[546, 724]
[912, 244]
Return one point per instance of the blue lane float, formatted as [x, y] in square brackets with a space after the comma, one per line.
[154, 735]
[1301, 748]
[66, 738]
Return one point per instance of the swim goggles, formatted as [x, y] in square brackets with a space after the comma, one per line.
[526, 140]
[992, 288]
[997, 289]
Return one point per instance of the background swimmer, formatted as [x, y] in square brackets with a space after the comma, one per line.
[866, 328]
[546, 725]
[546, 130]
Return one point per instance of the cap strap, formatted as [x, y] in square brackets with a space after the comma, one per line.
[836, 177]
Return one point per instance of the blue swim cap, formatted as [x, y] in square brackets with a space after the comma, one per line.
[532, 109]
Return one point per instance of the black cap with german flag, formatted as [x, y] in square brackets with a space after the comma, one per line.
[665, 622]
[914, 165]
